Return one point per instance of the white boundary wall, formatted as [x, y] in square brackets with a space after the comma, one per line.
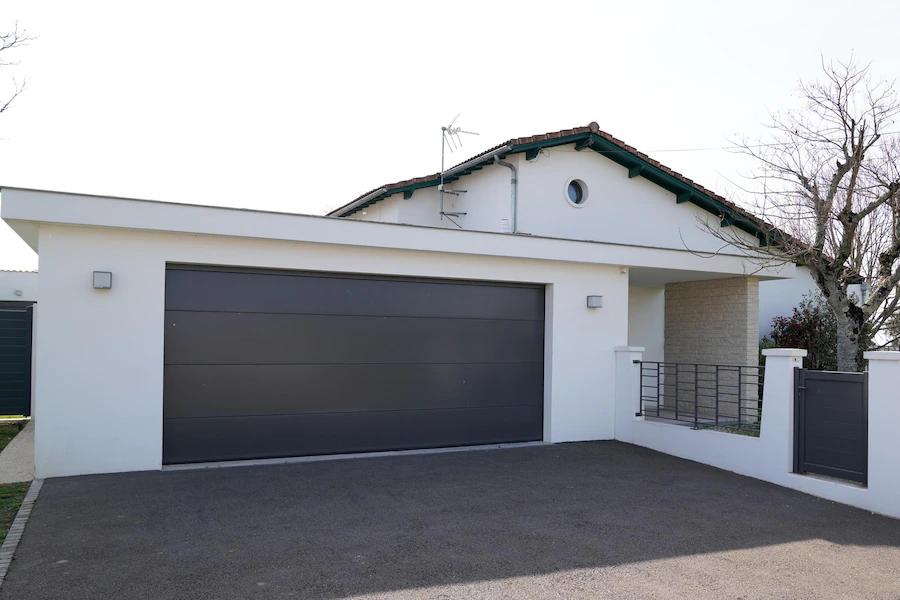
[770, 457]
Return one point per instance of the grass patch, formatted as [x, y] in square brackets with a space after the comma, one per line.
[8, 431]
[11, 496]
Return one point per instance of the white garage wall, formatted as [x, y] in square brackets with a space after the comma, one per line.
[99, 386]
[647, 320]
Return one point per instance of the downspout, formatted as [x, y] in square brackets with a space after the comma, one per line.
[512, 191]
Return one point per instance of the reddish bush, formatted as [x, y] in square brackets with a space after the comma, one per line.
[813, 328]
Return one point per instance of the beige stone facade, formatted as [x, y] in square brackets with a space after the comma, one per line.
[714, 321]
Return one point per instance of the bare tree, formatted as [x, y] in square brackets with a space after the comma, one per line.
[9, 42]
[828, 192]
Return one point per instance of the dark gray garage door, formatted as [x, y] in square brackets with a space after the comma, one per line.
[15, 358]
[279, 363]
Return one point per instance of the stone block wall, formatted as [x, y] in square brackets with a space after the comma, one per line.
[714, 321]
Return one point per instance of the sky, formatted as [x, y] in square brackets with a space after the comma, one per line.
[302, 106]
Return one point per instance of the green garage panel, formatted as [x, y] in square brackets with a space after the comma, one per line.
[265, 364]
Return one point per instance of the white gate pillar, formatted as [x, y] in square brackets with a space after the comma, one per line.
[777, 425]
[884, 423]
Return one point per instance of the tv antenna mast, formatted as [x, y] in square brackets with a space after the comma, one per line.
[450, 138]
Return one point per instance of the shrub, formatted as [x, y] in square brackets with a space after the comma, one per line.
[813, 328]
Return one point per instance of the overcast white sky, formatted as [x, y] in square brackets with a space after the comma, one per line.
[301, 107]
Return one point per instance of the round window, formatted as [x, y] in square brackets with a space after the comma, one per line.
[576, 192]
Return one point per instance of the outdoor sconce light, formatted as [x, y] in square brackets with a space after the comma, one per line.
[595, 301]
[102, 280]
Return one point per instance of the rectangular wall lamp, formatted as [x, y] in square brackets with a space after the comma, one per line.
[595, 301]
[102, 280]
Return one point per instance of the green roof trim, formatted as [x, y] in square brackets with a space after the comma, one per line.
[632, 161]
[584, 144]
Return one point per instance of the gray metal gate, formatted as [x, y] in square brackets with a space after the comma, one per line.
[15, 359]
[831, 423]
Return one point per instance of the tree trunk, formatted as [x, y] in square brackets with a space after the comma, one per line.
[850, 321]
[849, 337]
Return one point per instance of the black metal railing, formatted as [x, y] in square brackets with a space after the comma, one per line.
[703, 395]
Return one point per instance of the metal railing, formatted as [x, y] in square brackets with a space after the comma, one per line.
[703, 395]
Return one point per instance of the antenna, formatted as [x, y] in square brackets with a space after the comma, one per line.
[450, 138]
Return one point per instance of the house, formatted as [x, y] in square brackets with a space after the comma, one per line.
[585, 184]
[182, 334]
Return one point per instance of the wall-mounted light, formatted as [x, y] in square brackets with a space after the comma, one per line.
[102, 280]
[595, 301]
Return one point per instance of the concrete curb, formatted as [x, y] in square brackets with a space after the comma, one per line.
[18, 528]
[352, 456]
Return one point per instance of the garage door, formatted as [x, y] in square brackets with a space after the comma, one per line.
[15, 358]
[272, 364]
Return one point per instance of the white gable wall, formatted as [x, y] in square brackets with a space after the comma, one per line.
[386, 211]
[486, 202]
[619, 209]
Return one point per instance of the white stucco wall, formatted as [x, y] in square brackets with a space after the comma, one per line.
[386, 211]
[619, 209]
[646, 320]
[101, 352]
[486, 203]
[22, 281]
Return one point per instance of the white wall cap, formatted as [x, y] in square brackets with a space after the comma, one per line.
[881, 355]
[787, 352]
[630, 348]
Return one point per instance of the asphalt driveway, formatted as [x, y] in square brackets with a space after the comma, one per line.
[587, 520]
